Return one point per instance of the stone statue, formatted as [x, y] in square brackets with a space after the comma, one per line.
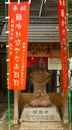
[40, 78]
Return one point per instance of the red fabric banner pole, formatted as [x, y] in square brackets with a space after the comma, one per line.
[63, 42]
[18, 43]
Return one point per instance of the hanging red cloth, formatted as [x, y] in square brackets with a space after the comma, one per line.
[18, 43]
[45, 60]
[63, 42]
[33, 60]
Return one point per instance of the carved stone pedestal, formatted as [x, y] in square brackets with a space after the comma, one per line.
[41, 126]
[40, 118]
[36, 114]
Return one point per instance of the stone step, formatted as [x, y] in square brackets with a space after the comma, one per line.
[41, 126]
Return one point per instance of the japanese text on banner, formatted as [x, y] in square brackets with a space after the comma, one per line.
[63, 42]
[18, 42]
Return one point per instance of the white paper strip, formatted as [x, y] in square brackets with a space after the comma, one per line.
[7, 60]
[7, 46]
[29, 1]
[7, 73]
[7, 31]
[7, 17]
[8, 2]
[18, 1]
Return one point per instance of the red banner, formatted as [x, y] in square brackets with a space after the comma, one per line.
[63, 42]
[33, 60]
[18, 42]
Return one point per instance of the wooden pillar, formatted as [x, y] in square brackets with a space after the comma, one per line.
[70, 126]
[16, 112]
[65, 110]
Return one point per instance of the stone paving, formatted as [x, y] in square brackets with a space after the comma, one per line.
[4, 118]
